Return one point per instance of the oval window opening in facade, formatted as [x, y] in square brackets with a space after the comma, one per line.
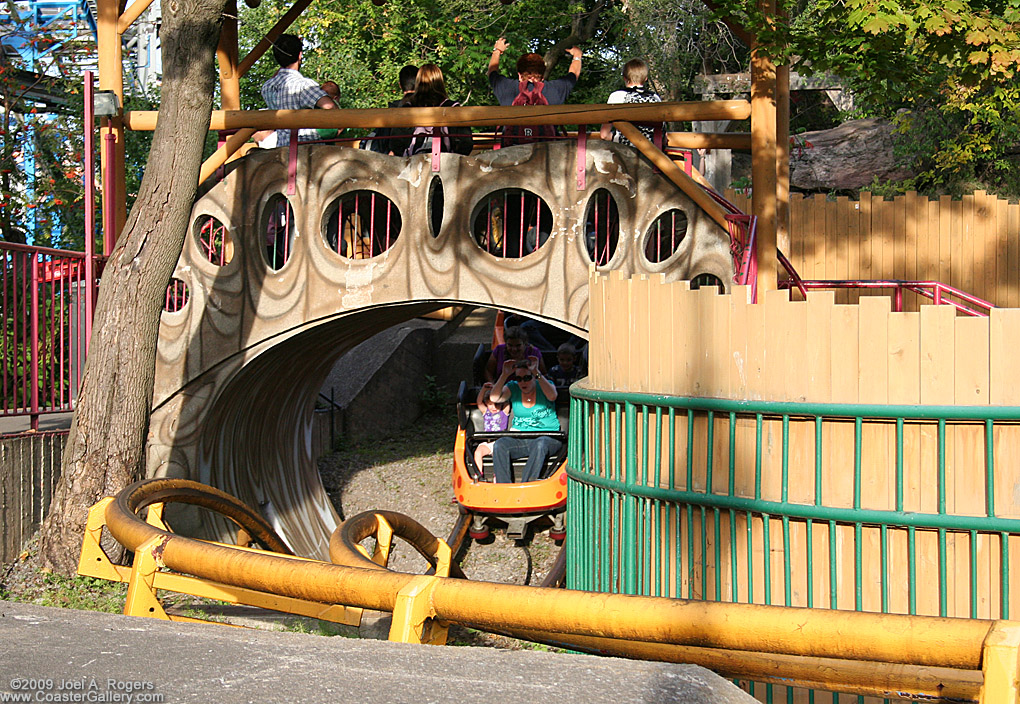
[436, 204]
[361, 225]
[176, 296]
[278, 229]
[214, 239]
[511, 223]
[707, 281]
[602, 227]
[665, 235]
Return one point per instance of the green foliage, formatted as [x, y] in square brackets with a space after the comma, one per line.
[54, 198]
[362, 46]
[945, 71]
[433, 398]
[85, 593]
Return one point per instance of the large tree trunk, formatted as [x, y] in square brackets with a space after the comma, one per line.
[105, 447]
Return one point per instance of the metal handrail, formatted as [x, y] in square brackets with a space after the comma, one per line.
[935, 291]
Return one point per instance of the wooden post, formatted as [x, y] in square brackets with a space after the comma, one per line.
[763, 159]
[783, 159]
[226, 55]
[111, 77]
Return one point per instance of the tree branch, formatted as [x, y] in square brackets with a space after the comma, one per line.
[582, 29]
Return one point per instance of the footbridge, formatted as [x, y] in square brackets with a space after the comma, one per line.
[297, 256]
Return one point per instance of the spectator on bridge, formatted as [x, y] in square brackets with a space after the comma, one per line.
[515, 348]
[387, 140]
[532, 400]
[333, 91]
[430, 92]
[530, 88]
[495, 418]
[635, 74]
[289, 90]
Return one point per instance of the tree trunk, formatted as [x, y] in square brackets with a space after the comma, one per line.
[105, 447]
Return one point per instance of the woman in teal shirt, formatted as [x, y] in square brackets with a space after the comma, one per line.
[532, 400]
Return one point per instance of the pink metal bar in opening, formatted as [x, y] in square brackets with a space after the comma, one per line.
[371, 228]
[582, 155]
[520, 251]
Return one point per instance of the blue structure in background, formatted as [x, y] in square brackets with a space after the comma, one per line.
[37, 34]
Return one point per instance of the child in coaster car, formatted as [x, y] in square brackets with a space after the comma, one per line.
[495, 418]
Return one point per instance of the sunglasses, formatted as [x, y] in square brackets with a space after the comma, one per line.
[526, 377]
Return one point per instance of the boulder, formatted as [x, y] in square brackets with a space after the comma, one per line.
[847, 157]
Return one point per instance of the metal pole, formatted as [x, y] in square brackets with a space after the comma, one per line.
[109, 185]
[90, 206]
[34, 333]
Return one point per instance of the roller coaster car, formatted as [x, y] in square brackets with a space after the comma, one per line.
[518, 504]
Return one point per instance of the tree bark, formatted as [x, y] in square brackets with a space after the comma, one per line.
[105, 447]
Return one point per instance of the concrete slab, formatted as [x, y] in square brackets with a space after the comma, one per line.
[184, 662]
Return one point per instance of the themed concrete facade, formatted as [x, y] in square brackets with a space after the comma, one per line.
[240, 365]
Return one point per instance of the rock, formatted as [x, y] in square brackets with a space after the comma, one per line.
[846, 157]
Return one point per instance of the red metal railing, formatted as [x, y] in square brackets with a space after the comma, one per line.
[45, 298]
[935, 291]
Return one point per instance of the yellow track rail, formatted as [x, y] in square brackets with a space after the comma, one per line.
[918, 656]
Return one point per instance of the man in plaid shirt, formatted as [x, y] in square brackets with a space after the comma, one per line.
[289, 90]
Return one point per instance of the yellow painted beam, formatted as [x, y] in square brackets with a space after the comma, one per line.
[673, 172]
[763, 160]
[226, 56]
[709, 140]
[461, 116]
[220, 156]
[131, 14]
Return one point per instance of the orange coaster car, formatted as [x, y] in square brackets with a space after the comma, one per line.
[518, 504]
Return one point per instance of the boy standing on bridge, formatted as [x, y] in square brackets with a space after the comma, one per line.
[530, 89]
[635, 73]
[289, 90]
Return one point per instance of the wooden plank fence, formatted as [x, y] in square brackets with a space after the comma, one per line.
[970, 243]
[29, 470]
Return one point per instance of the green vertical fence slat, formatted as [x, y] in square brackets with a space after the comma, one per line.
[911, 572]
[973, 574]
[1004, 573]
[899, 464]
[833, 582]
[884, 560]
[989, 468]
[734, 586]
[718, 555]
[767, 547]
[750, 557]
[787, 572]
[629, 547]
[810, 563]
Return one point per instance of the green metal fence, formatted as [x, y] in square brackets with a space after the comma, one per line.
[672, 496]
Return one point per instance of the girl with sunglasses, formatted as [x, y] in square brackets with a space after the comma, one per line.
[532, 400]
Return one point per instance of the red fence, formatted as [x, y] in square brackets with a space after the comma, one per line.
[46, 301]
